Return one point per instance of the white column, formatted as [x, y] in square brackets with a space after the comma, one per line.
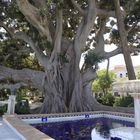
[11, 104]
[136, 97]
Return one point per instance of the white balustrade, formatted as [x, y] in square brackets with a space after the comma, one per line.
[131, 87]
[11, 104]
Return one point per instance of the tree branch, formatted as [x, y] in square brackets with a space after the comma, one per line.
[9, 30]
[13, 86]
[30, 77]
[88, 75]
[134, 49]
[33, 16]
[88, 21]
[40, 55]
[100, 36]
[78, 8]
[117, 51]
[132, 27]
[22, 36]
[103, 12]
[39, 3]
[85, 27]
[107, 55]
[58, 34]
[124, 41]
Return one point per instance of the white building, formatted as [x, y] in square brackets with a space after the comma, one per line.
[121, 71]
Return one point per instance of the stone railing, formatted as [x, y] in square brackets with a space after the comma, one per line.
[131, 86]
[11, 104]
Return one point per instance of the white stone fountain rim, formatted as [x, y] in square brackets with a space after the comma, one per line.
[126, 82]
[130, 86]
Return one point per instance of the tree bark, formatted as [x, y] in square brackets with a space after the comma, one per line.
[65, 87]
[52, 88]
[124, 42]
[55, 101]
[31, 78]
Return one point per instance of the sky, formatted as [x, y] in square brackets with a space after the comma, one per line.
[118, 59]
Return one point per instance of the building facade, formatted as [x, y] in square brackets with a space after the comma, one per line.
[121, 72]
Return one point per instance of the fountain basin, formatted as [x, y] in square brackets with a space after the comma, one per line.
[131, 86]
[125, 133]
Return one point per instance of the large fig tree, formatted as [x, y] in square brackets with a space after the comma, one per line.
[55, 33]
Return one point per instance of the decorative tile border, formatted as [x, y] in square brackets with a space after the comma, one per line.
[39, 118]
[19, 123]
[30, 116]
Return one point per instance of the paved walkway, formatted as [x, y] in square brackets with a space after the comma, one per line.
[7, 133]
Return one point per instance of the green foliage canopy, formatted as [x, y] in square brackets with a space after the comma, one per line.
[102, 83]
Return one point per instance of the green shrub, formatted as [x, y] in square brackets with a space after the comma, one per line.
[108, 99]
[3, 109]
[124, 101]
[22, 107]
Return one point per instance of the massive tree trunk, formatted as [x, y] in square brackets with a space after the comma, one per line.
[54, 101]
[124, 42]
[65, 87]
[53, 91]
[74, 93]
